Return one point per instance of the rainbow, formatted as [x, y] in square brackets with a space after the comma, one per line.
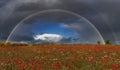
[56, 10]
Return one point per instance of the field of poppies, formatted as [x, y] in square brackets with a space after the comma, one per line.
[60, 57]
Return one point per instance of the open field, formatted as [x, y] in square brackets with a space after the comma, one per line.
[69, 57]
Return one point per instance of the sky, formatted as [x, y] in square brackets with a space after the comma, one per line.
[51, 31]
[103, 14]
[53, 28]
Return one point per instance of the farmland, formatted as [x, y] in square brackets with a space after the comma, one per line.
[60, 57]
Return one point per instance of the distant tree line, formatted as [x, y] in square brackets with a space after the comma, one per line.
[107, 42]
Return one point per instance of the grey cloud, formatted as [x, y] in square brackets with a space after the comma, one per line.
[13, 11]
[22, 34]
[84, 30]
[10, 6]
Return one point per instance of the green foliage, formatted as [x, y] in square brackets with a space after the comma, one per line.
[4, 43]
[98, 42]
[108, 42]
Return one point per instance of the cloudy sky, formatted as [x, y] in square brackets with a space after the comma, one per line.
[103, 14]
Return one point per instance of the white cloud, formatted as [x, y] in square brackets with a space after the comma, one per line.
[48, 37]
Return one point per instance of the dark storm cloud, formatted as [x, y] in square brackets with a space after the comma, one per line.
[85, 31]
[104, 14]
[22, 34]
[3, 2]
[29, 7]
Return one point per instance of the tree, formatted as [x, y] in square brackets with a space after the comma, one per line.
[98, 42]
[108, 42]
